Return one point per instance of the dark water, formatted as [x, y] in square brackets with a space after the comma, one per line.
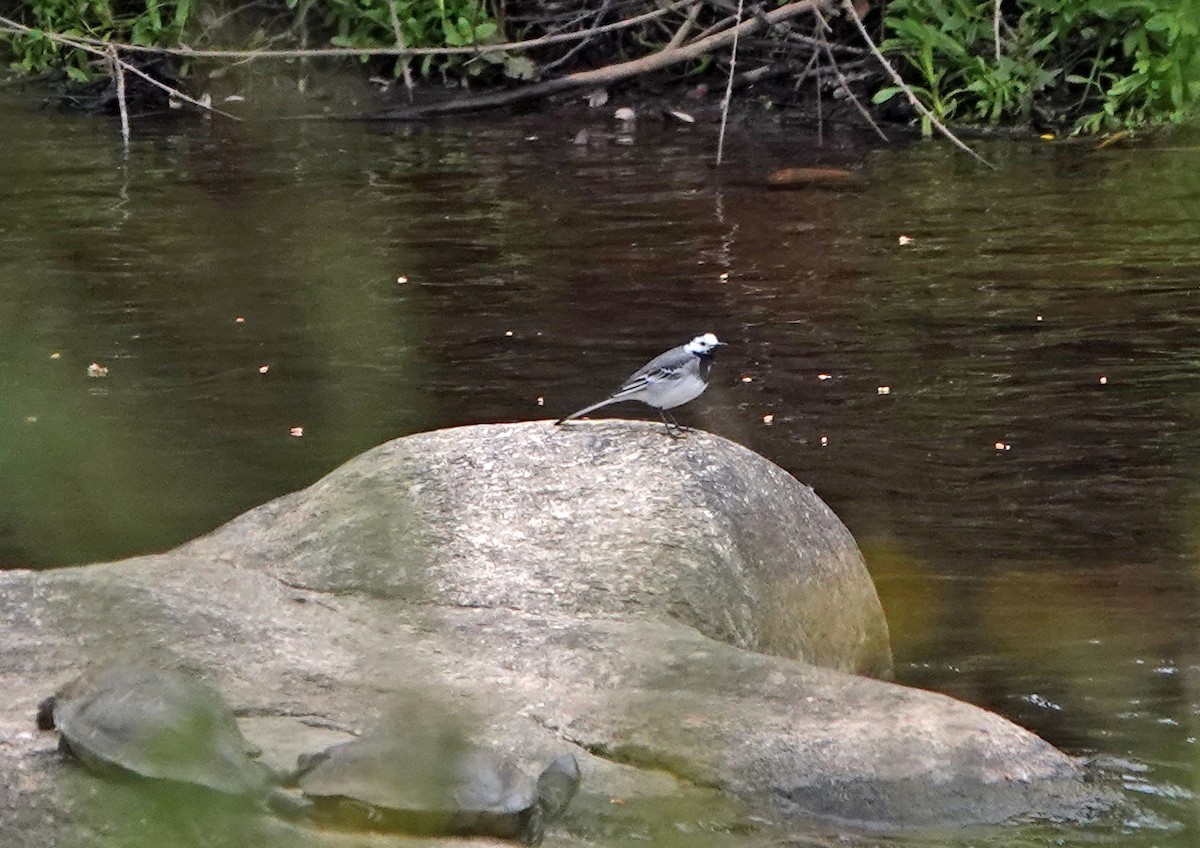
[1051, 308]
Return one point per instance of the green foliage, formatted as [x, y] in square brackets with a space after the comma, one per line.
[145, 22]
[342, 23]
[423, 23]
[1089, 65]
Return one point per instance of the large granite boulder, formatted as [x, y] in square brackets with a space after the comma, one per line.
[292, 613]
[586, 519]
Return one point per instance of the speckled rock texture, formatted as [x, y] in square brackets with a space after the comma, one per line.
[537, 645]
[594, 519]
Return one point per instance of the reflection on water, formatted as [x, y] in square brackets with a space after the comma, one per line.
[1025, 492]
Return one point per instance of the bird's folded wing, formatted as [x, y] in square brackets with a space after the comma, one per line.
[643, 378]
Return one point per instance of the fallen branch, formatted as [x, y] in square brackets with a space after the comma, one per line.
[598, 76]
[848, 6]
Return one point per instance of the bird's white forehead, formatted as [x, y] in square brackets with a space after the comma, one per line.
[703, 344]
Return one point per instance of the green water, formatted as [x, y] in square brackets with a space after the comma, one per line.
[1052, 307]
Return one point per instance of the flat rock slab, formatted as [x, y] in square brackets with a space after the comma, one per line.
[677, 725]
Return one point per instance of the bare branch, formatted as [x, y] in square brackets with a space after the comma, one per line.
[119, 75]
[996, 27]
[566, 57]
[729, 85]
[685, 28]
[845, 83]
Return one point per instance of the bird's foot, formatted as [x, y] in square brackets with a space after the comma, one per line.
[677, 432]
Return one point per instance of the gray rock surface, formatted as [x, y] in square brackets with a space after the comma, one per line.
[679, 728]
[596, 519]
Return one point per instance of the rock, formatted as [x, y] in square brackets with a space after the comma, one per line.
[590, 519]
[291, 612]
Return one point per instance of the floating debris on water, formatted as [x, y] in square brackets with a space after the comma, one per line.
[96, 370]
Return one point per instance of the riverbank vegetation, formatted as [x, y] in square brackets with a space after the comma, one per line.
[1061, 65]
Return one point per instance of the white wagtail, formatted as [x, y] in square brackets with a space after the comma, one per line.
[667, 381]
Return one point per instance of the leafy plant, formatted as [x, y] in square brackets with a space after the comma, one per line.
[343, 23]
[149, 22]
[423, 23]
[1089, 65]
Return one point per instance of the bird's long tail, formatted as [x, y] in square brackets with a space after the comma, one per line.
[588, 409]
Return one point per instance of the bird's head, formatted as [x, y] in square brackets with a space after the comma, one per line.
[704, 344]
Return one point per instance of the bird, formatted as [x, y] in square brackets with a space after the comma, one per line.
[665, 382]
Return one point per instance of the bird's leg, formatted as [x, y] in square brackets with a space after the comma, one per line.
[673, 429]
[682, 428]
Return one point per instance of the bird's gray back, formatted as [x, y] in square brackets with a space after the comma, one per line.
[673, 360]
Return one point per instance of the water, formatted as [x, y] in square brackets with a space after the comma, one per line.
[1026, 490]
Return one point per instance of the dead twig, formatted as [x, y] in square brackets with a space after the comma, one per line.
[996, 27]
[848, 6]
[712, 29]
[118, 73]
[685, 28]
[842, 81]
[808, 69]
[566, 57]
[729, 85]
